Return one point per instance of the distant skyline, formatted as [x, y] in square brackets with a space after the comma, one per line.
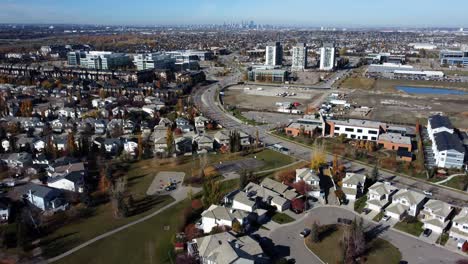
[338, 13]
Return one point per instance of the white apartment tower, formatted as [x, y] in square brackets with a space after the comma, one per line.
[299, 57]
[327, 57]
[274, 54]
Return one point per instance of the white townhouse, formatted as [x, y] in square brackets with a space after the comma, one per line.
[380, 195]
[405, 202]
[436, 215]
[353, 185]
[241, 201]
[459, 230]
[448, 148]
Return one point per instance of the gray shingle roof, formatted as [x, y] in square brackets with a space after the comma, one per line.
[448, 141]
[437, 121]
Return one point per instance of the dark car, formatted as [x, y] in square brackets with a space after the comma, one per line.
[170, 188]
[427, 232]
[366, 211]
[305, 232]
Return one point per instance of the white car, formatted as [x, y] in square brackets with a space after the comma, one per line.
[428, 193]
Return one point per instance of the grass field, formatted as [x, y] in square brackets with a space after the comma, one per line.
[140, 175]
[458, 182]
[148, 242]
[360, 204]
[329, 249]
[238, 114]
[414, 228]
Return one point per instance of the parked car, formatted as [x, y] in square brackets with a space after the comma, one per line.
[297, 211]
[366, 211]
[427, 232]
[428, 193]
[305, 232]
[386, 218]
[170, 188]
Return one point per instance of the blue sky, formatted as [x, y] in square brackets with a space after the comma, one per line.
[348, 13]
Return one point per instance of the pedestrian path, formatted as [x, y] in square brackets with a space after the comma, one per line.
[449, 178]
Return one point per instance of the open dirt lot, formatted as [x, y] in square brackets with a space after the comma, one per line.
[266, 98]
[404, 108]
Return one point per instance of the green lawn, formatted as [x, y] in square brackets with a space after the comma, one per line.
[443, 238]
[272, 159]
[282, 218]
[148, 242]
[378, 217]
[414, 228]
[458, 182]
[360, 204]
[329, 249]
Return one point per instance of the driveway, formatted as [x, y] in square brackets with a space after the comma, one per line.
[287, 241]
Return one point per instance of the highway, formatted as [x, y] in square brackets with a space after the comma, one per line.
[205, 99]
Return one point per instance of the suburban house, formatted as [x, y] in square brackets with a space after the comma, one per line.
[395, 141]
[405, 202]
[181, 122]
[45, 198]
[353, 185]
[16, 160]
[436, 215]
[222, 138]
[380, 196]
[5, 205]
[160, 144]
[308, 176]
[459, 230]
[130, 147]
[72, 181]
[219, 216]
[356, 129]
[200, 123]
[242, 202]
[448, 148]
[225, 248]
[183, 145]
[203, 142]
[271, 193]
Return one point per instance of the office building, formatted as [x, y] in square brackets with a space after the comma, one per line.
[74, 57]
[268, 75]
[101, 60]
[299, 57]
[327, 57]
[274, 54]
[153, 61]
[454, 57]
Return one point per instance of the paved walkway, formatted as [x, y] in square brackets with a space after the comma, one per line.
[449, 178]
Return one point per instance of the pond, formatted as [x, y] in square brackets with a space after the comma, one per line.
[429, 90]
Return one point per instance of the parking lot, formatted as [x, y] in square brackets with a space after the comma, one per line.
[165, 179]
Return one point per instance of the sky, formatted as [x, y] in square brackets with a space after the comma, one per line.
[339, 13]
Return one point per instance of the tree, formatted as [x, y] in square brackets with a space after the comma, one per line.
[318, 159]
[211, 193]
[314, 233]
[301, 187]
[185, 258]
[237, 227]
[287, 177]
[196, 204]
[169, 141]
[140, 147]
[298, 204]
[71, 145]
[374, 173]
[191, 232]
[257, 140]
[180, 106]
[244, 178]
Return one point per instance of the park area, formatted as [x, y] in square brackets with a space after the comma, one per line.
[329, 248]
[152, 240]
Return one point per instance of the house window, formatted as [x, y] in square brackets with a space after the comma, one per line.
[359, 130]
[353, 136]
[349, 129]
[374, 138]
[364, 137]
[373, 132]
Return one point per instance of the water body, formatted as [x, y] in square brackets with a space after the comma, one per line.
[429, 90]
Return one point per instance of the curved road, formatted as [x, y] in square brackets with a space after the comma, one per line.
[413, 250]
[204, 98]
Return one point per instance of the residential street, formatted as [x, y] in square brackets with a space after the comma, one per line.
[413, 250]
[204, 98]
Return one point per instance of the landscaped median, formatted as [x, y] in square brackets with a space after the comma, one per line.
[282, 218]
[330, 247]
